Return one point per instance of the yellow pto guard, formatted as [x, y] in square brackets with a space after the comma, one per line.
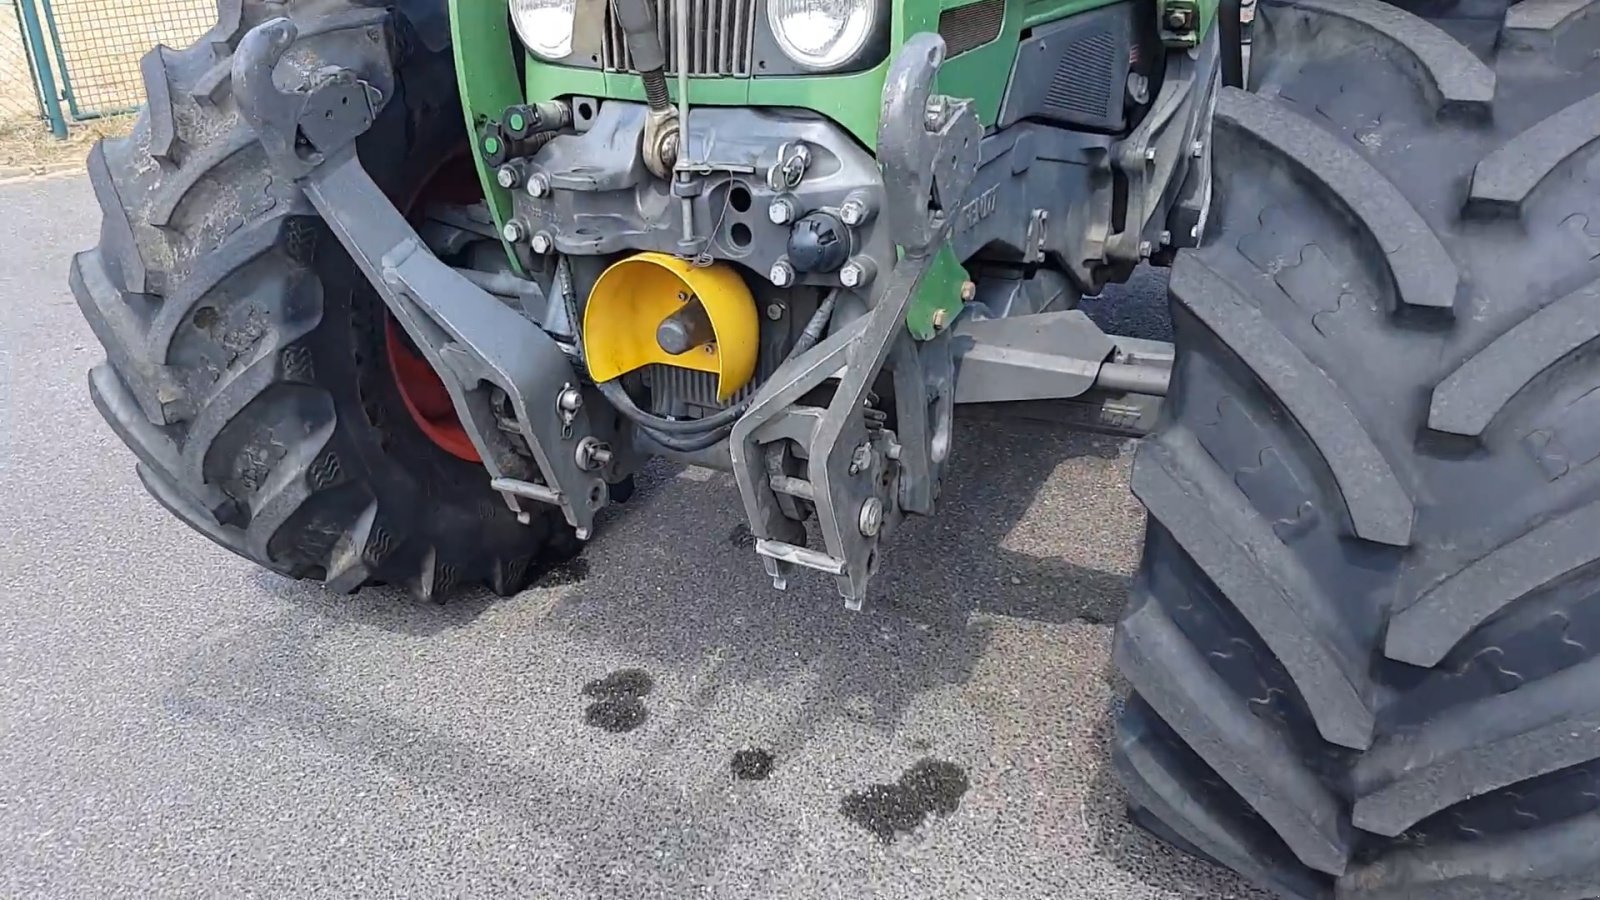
[635, 297]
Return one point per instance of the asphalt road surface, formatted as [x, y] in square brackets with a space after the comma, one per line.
[174, 721]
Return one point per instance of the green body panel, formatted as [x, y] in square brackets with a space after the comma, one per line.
[940, 290]
[487, 75]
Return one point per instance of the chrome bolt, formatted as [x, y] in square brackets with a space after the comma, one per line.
[541, 242]
[538, 185]
[855, 211]
[969, 292]
[871, 520]
[781, 274]
[508, 176]
[515, 232]
[857, 272]
[781, 211]
[775, 311]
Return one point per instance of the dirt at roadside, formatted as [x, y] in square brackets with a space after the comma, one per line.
[27, 147]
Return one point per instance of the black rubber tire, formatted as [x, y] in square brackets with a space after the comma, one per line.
[1363, 637]
[246, 363]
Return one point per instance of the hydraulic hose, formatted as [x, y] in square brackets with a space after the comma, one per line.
[638, 21]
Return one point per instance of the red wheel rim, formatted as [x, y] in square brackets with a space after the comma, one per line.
[425, 396]
[424, 393]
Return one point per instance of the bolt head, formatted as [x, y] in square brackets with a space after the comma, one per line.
[969, 292]
[781, 274]
[538, 185]
[781, 211]
[939, 318]
[1150, 154]
[514, 232]
[871, 519]
[541, 243]
[775, 311]
[852, 274]
[506, 177]
[1145, 249]
[853, 212]
[1197, 149]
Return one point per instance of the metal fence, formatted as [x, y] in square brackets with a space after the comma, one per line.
[64, 60]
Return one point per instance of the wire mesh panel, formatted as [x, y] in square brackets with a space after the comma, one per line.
[19, 91]
[102, 41]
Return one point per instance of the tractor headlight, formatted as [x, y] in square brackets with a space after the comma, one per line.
[822, 34]
[545, 26]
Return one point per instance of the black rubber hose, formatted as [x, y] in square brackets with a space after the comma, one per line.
[614, 392]
[671, 433]
[1232, 24]
[688, 443]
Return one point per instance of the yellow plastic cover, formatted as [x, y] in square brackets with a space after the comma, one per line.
[634, 295]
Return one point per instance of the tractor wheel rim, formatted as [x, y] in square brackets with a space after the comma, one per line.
[421, 388]
[425, 396]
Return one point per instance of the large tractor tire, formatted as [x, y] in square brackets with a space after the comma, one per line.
[1363, 640]
[250, 366]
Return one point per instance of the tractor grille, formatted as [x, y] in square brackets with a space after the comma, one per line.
[971, 26]
[721, 38]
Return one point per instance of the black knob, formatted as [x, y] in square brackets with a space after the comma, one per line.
[819, 242]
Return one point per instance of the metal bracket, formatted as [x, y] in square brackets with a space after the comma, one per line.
[1156, 158]
[928, 148]
[491, 359]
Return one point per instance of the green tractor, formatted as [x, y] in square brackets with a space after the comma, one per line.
[404, 293]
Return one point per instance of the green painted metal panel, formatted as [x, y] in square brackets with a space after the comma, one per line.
[486, 71]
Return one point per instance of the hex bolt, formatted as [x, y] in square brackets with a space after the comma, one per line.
[781, 211]
[871, 520]
[508, 176]
[775, 311]
[538, 185]
[939, 318]
[515, 232]
[1149, 154]
[541, 242]
[969, 292]
[857, 272]
[855, 211]
[781, 274]
[1145, 249]
[1197, 149]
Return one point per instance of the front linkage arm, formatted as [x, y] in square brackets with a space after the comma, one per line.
[498, 366]
[928, 149]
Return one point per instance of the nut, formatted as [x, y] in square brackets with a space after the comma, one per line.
[781, 274]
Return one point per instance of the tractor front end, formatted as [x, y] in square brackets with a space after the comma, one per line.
[765, 235]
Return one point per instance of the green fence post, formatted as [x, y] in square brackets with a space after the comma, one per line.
[61, 63]
[41, 62]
